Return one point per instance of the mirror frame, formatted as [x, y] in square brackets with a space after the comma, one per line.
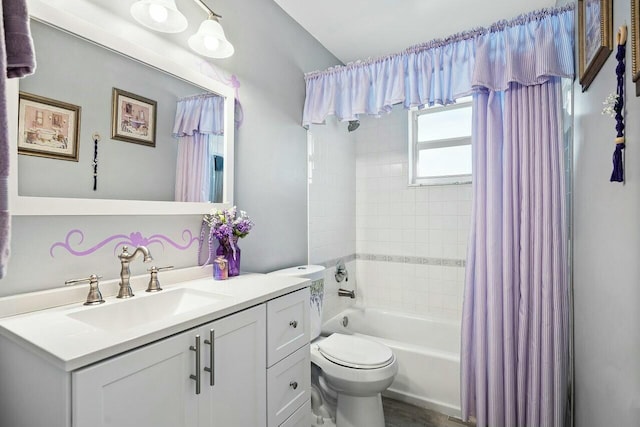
[150, 52]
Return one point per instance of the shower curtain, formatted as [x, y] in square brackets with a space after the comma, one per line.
[515, 317]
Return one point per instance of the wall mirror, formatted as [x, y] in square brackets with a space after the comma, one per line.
[90, 80]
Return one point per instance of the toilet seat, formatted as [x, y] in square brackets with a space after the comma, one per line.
[355, 352]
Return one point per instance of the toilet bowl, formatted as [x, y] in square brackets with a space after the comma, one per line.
[350, 372]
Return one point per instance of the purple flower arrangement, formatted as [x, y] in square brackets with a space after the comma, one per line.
[227, 226]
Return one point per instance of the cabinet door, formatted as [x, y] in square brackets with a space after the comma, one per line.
[300, 418]
[288, 386]
[288, 325]
[237, 397]
[149, 386]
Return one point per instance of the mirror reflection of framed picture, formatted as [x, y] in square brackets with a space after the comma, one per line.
[133, 118]
[48, 128]
[595, 37]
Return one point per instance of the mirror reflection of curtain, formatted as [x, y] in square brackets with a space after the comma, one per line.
[199, 120]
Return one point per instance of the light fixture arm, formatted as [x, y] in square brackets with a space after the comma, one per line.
[207, 9]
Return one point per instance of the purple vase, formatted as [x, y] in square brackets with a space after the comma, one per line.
[233, 260]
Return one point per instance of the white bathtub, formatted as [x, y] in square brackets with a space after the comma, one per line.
[428, 353]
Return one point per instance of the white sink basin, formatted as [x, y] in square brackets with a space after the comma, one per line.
[131, 313]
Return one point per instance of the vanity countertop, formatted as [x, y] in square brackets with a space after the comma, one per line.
[57, 334]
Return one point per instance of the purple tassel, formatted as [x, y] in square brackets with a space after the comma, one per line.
[618, 164]
[618, 155]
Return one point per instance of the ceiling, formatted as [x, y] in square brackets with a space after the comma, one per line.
[360, 29]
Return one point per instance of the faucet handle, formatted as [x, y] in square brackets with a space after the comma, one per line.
[341, 272]
[95, 296]
[154, 283]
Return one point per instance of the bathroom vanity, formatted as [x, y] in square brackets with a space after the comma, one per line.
[199, 353]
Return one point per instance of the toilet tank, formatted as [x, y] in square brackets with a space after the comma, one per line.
[315, 273]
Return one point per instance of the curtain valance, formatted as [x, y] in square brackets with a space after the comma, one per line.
[200, 114]
[526, 50]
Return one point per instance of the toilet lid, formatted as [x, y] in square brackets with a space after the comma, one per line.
[355, 352]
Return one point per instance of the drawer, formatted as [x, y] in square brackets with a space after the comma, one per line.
[288, 386]
[300, 418]
[287, 325]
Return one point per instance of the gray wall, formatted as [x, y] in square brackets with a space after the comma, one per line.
[272, 53]
[606, 254]
[73, 70]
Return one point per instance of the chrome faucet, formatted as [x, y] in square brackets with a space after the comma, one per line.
[125, 274]
[341, 272]
[346, 293]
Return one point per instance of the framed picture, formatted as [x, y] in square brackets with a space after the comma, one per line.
[595, 37]
[635, 43]
[133, 118]
[48, 128]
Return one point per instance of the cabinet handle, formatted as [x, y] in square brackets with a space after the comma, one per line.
[212, 356]
[196, 377]
[293, 324]
[293, 385]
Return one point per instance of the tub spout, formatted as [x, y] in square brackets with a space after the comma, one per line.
[346, 293]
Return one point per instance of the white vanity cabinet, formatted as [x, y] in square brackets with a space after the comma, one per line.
[153, 386]
[153, 382]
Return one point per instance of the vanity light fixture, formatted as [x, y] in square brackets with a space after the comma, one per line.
[164, 16]
[159, 15]
[210, 40]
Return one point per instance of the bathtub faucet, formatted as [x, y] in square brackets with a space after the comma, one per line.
[346, 293]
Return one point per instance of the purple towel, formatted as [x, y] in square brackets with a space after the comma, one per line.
[18, 57]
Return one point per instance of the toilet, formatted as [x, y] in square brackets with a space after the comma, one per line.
[349, 373]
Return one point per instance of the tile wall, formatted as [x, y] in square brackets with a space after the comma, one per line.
[410, 241]
[332, 207]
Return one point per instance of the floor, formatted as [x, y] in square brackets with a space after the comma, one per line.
[400, 414]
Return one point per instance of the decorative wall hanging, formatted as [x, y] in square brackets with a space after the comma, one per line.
[595, 37]
[94, 164]
[133, 118]
[48, 128]
[618, 155]
[635, 43]
[132, 239]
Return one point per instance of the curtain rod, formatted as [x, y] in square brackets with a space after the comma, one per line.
[500, 25]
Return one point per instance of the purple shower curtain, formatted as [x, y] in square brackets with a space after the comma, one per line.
[515, 338]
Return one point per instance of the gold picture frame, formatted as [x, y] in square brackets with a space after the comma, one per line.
[48, 128]
[595, 37]
[133, 118]
[635, 43]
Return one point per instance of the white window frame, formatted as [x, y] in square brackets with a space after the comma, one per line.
[415, 146]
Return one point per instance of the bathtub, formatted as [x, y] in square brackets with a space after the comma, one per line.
[428, 353]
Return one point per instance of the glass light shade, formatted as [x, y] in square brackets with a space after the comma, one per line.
[210, 41]
[159, 15]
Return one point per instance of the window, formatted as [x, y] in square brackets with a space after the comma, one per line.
[440, 144]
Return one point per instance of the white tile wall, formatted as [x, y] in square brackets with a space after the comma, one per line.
[395, 219]
[332, 206]
[370, 209]
[332, 189]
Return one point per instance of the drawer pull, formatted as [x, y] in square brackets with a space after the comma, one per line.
[293, 385]
[196, 377]
[293, 324]
[212, 357]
